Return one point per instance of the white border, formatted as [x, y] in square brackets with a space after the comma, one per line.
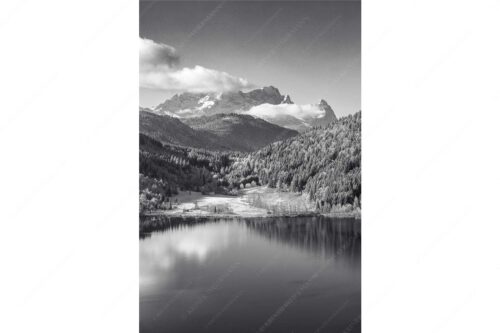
[430, 166]
[68, 137]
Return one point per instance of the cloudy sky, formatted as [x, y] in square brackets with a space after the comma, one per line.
[310, 50]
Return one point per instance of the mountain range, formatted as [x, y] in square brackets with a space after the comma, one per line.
[266, 103]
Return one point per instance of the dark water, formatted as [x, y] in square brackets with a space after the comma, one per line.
[270, 275]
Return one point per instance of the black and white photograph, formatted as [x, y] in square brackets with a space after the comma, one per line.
[250, 166]
[231, 166]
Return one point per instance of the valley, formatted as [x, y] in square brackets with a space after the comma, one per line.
[235, 164]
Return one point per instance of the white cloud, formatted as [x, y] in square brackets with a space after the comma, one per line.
[302, 112]
[156, 56]
[158, 71]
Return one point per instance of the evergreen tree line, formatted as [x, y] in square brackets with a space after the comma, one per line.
[322, 162]
[166, 169]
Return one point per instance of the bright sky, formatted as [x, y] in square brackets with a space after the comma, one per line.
[309, 50]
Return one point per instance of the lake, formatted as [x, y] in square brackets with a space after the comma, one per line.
[300, 274]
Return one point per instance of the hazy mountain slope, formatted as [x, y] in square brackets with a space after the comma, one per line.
[219, 132]
[170, 130]
[242, 132]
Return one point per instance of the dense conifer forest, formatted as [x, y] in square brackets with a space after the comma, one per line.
[166, 169]
[323, 162]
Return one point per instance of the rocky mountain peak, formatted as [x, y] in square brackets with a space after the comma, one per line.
[329, 114]
[188, 105]
[271, 90]
[323, 103]
[287, 100]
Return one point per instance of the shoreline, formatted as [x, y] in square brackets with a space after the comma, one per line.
[249, 203]
[156, 221]
[163, 213]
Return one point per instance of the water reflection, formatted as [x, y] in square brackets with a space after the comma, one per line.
[177, 243]
[191, 269]
[318, 234]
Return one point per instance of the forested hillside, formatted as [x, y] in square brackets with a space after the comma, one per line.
[165, 169]
[322, 162]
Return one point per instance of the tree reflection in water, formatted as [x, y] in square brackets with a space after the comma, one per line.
[318, 235]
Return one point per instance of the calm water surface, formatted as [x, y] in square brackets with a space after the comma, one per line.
[268, 275]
